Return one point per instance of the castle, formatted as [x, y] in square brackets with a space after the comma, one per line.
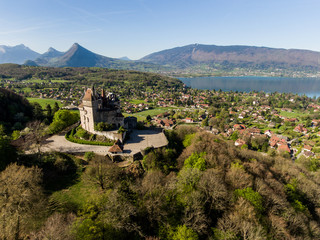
[97, 108]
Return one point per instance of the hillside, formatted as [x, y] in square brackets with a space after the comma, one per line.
[85, 75]
[15, 109]
[231, 57]
[201, 187]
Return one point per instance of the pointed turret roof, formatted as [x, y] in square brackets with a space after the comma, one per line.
[88, 95]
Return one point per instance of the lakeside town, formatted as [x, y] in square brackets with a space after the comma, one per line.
[276, 123]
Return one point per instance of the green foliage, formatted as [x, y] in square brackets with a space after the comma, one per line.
[14, 109]
[196, 161]
[70, 136]
[244, 146]
[234, 136]
[295, 197]
[103, 126]
[205, 122]
[188, 139]
[184, 233]
[314, 165]
[188, 178]
[89, 155]
[15, 134]
[162, 159]
[81, 133]
[253, 197]
[121, 129]
[63, 119]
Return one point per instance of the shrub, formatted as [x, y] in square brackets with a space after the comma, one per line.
[63, 119]
[70, 137]
[187, 139]
[89, 155]
[102, 126]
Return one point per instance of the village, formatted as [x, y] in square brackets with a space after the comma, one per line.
[286, 124]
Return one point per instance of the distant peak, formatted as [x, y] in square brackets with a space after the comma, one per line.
[76, 45]
[51, 49]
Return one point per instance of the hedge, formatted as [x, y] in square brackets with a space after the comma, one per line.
[70, 137]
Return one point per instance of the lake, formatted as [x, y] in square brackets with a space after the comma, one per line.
[307, 86]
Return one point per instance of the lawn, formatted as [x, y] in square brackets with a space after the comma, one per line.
[46, 81]
[291, 114]
[43, 101]
[74, 197]
[136, 101]
[152, 112]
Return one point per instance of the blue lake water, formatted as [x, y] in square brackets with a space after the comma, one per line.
[307, 86]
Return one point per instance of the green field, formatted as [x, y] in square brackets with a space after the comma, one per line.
[152, 112]
[43, 102]
[291, 114]
[136, 101]
[45, 81]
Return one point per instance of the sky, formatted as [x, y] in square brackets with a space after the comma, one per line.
[136, 28]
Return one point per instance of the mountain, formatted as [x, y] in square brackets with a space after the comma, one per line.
[17, 54]
[78, 56]
[125, 58]
[225, 57]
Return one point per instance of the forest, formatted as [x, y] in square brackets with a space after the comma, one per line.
[200, 187]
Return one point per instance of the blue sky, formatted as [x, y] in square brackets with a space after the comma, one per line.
[135, 28]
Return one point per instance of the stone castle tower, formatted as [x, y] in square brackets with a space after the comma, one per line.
[97, 108]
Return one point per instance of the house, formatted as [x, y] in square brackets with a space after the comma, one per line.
[315, 122]
[239, 142]
[116, 148]
[307, 148]
[284, 147]
[188, 120]
[268, 133]
[254, 131]
[301, 129]
[238, 127]
[308, 154]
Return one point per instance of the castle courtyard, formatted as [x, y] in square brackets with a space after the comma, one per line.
[139, 140]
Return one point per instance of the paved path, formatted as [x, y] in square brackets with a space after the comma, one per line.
[60, 144]
[139, 140]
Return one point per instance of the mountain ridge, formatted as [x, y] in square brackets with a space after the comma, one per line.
[16, 54]
[237, 55]
[193, 58]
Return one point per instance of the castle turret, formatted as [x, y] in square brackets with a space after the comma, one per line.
[103, 108]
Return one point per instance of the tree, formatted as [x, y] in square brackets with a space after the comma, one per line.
[7, 152]
[49, 112]
[35, 135]
[37, 111]
[20, 200]
[55, 108]
[103, 173]
[184, 233]
[63, 119]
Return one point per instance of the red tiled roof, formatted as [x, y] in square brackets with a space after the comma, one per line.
[116, 148]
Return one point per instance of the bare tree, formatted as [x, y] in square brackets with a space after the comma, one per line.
[20, 196]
